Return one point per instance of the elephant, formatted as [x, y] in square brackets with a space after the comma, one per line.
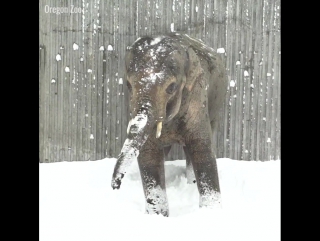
[177, 86]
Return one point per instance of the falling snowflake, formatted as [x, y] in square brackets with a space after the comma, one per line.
[221, 50]
[58, 57]
[75, 46]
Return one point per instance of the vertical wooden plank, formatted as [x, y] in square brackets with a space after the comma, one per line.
[87, 44]
[48, 90]
[238, 116]
[99, 82]
[64, 100]
[121, 78]
[255, 134]
[245, 73]
[78, 60]
[103, 45]
[56, 92]
[198, 13]
[91, 82]
[261, 98]
[93, 85]
[187, 15]
[42, 99]
[85, 83]
[48, 120]
[204, 21]
[105, 104]
[133, 23]
[245, 140]
[154, 21]
[171, 27]
[71, 148]
[222, 24]
[82, 115]
[270, 77]
[181, 11]
[44, 83]
[94, 92]
[67, 91]
[115, 80]
[206, 17]
[174, 17]
[250, 122]
[118, 47]
[41, 90]
[176, 8]
[265, 75]
[140, 15]
[236, 91]
[275, 138]
[191, 27]
[107, 63]
[112, 95]
[224, 124]
[136, 18]
[209, 24]
[60, 92]
[221, 129]
[278, 116]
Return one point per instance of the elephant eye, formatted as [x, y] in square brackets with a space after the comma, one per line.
[171, 88]
[129, 86]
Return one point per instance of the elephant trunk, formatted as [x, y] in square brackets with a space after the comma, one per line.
[138, 131]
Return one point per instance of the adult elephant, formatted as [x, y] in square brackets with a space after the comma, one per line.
[177, 86]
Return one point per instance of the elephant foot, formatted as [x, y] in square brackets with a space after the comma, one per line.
[116, 181]
[212, 200]
[156, 202]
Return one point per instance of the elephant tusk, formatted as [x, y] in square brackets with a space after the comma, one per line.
[159, 128]
[129, 125]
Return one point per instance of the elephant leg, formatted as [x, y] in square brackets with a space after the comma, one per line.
[151, 165]
[189, 168]
[200, 149]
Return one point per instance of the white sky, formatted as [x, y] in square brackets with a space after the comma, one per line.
[77, 203]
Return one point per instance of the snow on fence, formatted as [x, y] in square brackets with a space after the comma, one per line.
[83, 98]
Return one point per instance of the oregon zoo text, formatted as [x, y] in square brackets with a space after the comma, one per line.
[59, 10]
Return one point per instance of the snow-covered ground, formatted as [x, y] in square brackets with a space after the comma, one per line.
[77, 203]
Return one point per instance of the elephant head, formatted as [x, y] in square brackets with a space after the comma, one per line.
[157, 71]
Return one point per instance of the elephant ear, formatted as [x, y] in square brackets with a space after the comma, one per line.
[193, 68]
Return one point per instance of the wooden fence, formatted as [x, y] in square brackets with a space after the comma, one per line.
[83, 101]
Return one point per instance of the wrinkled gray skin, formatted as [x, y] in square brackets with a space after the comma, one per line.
[180, 83]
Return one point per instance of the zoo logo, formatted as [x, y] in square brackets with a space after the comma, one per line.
[59, 10]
